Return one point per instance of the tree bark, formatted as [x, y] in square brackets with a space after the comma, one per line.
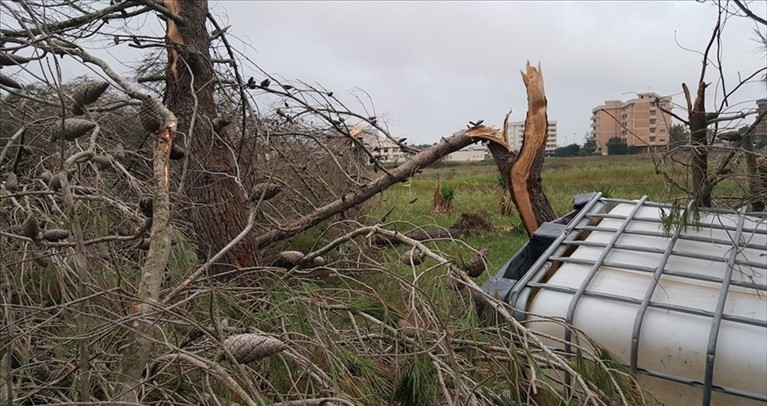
[152, 273]
[696, 114]
[219, 211]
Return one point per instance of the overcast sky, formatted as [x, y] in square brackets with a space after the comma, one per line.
[430, 67]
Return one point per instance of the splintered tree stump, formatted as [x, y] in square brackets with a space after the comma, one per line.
[523, 172]
[436, 201]
[525, 176]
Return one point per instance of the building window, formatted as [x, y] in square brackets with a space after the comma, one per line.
[652, 121]
[652, 139]
[652, 130]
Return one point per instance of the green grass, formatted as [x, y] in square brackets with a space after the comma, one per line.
[476, 190]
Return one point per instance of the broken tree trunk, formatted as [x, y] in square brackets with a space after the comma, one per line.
[523, 172]
[525, 177]
[696, 113]
[143, 321]
[219, 210]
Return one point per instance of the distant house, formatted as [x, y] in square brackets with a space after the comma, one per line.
[387, 150]
[472, 153]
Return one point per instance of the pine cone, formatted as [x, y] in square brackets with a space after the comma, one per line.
[8, 81]
[412, 257]
[144, 244]
[46, 176]
[43, 260]
[476, 264]
[88, 92]
[153, 115]
[102, 162]
[247, 348]
[55, 183]
[318, 261]
[55, 235]
[293, 257]
[146, 204]
[73, 129]
[125, 229]
[268, 190]
[176, 152]
[406, 328]
[11, 182]
[30, 228]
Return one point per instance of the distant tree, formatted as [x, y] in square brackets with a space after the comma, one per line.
[589, 145]
[679, 135]
[616, 146]
[570, 150]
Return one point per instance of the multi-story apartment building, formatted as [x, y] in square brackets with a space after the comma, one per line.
[641, 122]
[515, 133]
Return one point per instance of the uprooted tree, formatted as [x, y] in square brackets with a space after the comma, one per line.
[104, 298]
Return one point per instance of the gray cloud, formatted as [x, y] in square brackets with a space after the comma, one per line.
[432, 66]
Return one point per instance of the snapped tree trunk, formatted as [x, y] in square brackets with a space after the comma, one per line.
[143, 322]
[525, 176]
[696, 113]
[219, 211]
[523, 172]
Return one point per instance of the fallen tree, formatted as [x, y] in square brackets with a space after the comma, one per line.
[110, 299]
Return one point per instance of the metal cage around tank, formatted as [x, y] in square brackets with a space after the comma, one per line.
[679, 295]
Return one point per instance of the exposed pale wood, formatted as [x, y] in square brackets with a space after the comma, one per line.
[525, 176]
[489, 134]
[523, 172]
[173, 36]
[152, 273]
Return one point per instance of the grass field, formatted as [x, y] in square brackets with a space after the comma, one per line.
[477, 191]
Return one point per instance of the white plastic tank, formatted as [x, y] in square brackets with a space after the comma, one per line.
[629, 284]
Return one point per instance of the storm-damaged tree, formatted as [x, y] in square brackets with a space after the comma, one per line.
[712, 133]
[85, 199]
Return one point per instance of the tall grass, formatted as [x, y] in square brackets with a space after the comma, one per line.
[628, 177]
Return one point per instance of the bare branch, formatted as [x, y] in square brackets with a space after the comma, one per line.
[158, 6]
[365, 192]
[749, 13]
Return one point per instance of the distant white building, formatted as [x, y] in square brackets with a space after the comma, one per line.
[472, 153]
[516, 133]
[386, 149]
